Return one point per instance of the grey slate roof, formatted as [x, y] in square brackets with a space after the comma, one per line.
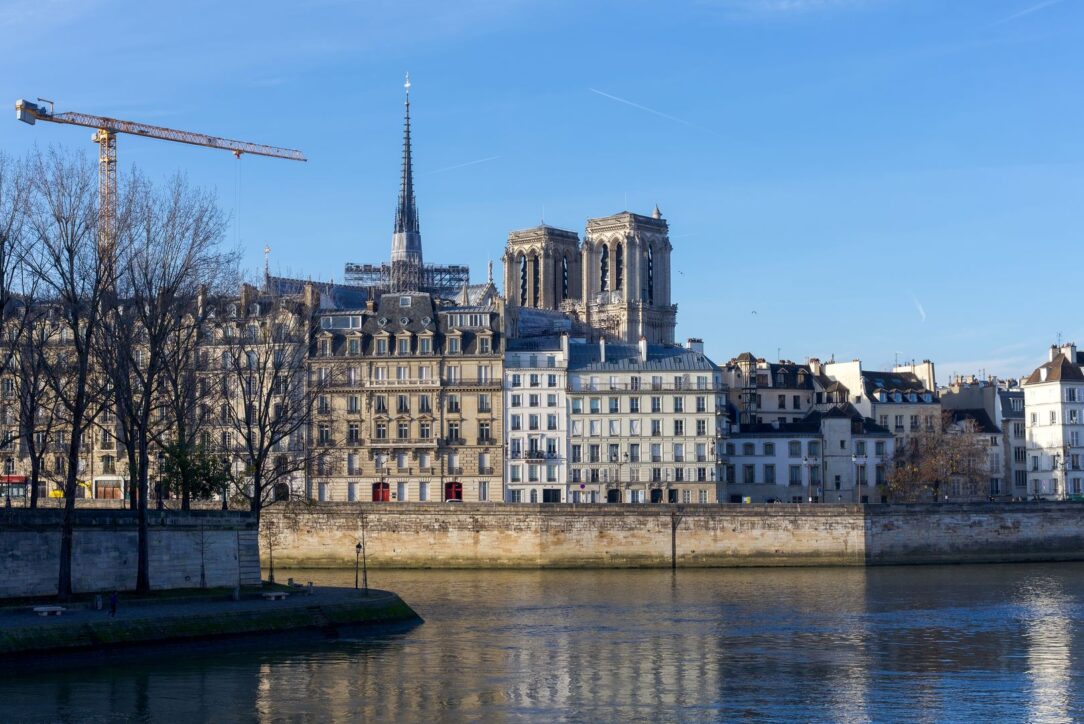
[626, 357]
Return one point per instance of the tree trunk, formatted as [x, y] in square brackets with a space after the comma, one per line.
[71, 483]
[143, 579]
[35, 473]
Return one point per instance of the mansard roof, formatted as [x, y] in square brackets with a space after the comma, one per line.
[1060, 369]
[626, 357]
[811, 424]
[873, 382]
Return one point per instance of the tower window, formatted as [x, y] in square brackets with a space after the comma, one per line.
[564, 278]
[650, 276]
[619, 256]
[604, 269]
[522, 280]
[534, 281]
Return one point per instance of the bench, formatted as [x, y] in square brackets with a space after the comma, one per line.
[48, 610]
[275, 596]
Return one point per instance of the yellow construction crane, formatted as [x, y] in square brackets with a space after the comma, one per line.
[105, 135]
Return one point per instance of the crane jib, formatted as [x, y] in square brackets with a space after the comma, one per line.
[114, 125]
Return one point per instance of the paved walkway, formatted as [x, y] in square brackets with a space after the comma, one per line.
[23, 617]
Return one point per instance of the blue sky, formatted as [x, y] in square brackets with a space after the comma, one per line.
[872, 178]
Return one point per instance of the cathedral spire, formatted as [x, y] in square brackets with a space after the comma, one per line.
[406, 245]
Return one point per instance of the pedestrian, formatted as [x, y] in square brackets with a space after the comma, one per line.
[113, 605]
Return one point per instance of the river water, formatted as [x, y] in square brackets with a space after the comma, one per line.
[958, 643]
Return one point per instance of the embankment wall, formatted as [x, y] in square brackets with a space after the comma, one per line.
[435, 535]
[187, 550]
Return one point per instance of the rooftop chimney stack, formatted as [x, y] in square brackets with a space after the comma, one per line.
[643, 348]
[602, 349]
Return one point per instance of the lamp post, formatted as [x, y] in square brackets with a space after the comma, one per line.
[357, 560]
[361, 548]
[809, 474]
[855, 460]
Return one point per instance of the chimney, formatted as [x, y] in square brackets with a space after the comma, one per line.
[564, 345]
[814, 365]
[1052, 353]
[643, 348]
[695, 344]
[602, 349]
[310, 296]
[248, 293]
[1069, 350]
[201, 300]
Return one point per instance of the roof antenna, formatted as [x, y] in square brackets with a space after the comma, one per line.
[266, 260]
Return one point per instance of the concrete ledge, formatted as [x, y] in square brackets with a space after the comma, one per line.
[24, 634]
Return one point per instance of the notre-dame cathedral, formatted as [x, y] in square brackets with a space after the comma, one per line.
[615, 284]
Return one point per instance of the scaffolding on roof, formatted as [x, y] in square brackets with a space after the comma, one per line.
[441, 280]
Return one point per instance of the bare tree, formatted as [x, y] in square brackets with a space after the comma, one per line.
[271, 397]
[172, 248]
[929, 462]
[39, 419]
[75, 280]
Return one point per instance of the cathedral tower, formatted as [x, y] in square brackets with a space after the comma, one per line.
[626, 277]
[542, 268]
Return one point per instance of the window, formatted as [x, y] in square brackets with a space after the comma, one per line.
[769, 448]
[381, 431]
[769, 474]
[679, 404]
[782, 402]
[425, 345]
[453, 432]
[484, 432]
[679, 427]
[453, 345]
[352, 433]
[404, 346]
[324, 434]
[794, 448]
[794, 474]
[402, 430]
[424, 430]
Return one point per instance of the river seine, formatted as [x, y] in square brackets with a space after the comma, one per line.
[993, 643]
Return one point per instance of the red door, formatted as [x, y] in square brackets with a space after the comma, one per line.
[453, 491]
[381, 492]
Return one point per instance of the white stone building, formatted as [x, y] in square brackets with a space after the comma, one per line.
[1054, 406]
[837, 456]
[645, 423]
[536, 420]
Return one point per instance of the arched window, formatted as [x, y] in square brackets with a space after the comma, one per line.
[619, 259]
[564, 278]
[522, 280]
[534, 281]
[650, 276]
[604, 269]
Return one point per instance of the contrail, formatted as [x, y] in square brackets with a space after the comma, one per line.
[667, 116]
[1027, 11]
[461, 165]
[920, 308]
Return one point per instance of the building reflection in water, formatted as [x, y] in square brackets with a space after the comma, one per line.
[928, 644]
[1048, 628]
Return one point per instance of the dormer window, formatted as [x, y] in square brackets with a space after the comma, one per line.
[483, 345]
[404, 346]
[425, 345]
[404, 301]
[882, 397]
[232, 310]
[453, 345]
[897, 397]
[912, 397]
[381, 346]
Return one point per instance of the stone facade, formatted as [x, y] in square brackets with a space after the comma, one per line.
[187, 550]
[601, 536]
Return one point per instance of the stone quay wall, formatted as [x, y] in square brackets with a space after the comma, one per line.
[187, 550]
[442, 535]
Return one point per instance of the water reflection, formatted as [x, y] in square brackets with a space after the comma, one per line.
[926, 644]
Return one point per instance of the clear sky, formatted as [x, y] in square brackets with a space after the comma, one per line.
[857, 178]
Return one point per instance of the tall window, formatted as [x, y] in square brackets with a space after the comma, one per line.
[604, 269]
[564, 278]
[534, 281]
[650, 276]
[522, 280]
[619, 257]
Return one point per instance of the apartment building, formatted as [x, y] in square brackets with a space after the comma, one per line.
[1054, 406]
[837, 456]
[536, 422]
[993, 409]
[645, 423]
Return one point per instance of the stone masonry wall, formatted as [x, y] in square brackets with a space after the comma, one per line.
[440, 535]
[187, 550]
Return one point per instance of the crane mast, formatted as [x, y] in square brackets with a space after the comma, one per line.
[105, 135]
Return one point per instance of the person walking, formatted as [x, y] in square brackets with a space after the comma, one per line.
[113, 605]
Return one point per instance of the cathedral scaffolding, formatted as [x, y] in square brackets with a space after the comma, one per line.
[442, 280]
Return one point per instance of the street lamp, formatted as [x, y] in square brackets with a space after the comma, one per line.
[855, 460]
[361, 548]
[809, 474]
[357, 560]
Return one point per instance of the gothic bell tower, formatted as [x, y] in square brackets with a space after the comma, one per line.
[625, 262]
[542, 268]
